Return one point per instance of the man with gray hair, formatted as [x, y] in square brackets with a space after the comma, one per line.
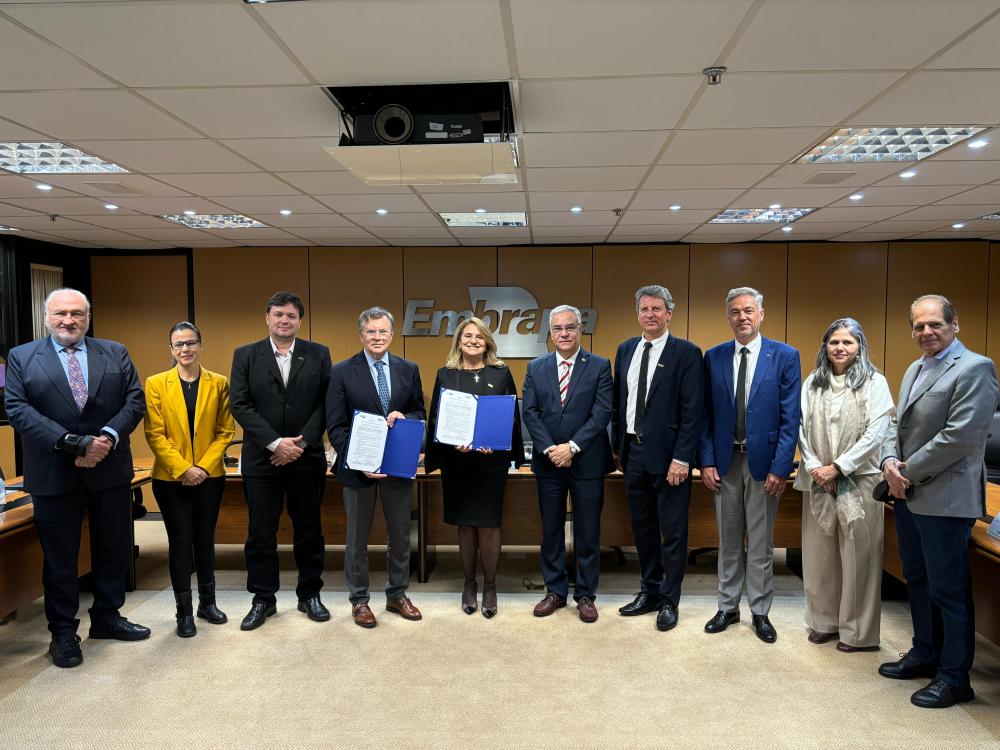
[658, 394]
[748, 442]
[374, 381]
[75, 400]
[566, 407]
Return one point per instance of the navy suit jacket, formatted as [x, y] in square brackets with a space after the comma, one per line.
[772, 410]
[41, 408]
[352, 388]
[672, 419]
[584, 419]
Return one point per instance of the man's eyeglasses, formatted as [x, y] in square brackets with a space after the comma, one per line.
[178, 345]
[571, 328]
[372, 333]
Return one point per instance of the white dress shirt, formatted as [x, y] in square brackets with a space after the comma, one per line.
[284, 367]
[632, 377]
[559, 368]
[752, 357]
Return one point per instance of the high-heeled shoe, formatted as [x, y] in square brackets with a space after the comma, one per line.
[489, 600]
[469, 604]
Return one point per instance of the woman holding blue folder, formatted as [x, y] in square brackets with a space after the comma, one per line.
[473, 480]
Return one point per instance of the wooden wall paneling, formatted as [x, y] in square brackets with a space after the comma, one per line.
[343, 281]
[715, 269]
[556, 276]
[7, 450]
[619, 270]
[958, 270]
[993, 306]
[442, 274]
[136, 299]
[827, 281]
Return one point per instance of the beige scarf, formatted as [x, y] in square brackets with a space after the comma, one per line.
[847, 503]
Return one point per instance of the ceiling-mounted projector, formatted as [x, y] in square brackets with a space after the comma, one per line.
[453, 133]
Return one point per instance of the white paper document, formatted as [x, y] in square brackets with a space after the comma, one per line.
[367, 443]
[456, 424]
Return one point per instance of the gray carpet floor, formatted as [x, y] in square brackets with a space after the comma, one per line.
[457, 681]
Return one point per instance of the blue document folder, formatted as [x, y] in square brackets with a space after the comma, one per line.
[402, 448]
[494, 422]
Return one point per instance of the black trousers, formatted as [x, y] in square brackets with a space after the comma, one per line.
[588, 500]
[59, 521]
[190, 515]
[266, 496]
[659, 514]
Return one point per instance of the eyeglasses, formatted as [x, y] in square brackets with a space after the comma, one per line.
[571, 328]
[178, 345]
[372, 333]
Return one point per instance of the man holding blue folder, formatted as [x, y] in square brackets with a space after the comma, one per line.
[377, 382]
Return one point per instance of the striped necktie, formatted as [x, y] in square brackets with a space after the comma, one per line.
[564, 381]
[77, 385]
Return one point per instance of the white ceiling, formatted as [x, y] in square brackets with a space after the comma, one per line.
[218, 106]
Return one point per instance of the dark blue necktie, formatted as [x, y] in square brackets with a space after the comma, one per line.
[383, 386]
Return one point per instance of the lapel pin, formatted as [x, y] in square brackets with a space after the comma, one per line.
[489, 385]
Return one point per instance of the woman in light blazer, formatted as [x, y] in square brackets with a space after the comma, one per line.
[188, 426]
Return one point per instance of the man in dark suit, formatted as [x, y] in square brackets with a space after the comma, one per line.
[933, 462]
[747, 449]
[276, 393]
[657, 421]
[75, 401]
[377, 382]
[566, 407]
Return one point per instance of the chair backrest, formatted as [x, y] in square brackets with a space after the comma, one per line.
[993, 450]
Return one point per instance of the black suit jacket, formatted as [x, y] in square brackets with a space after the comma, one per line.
[584, 419]
[352, 388]
[674, 404]
[266, 409]
[41, 408]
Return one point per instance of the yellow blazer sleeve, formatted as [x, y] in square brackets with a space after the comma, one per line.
[212, 459]
[164, 449]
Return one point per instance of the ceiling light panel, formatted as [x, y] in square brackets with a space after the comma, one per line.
[497, 219]
[13, 229]
[215, 221]
[992, 217]
[885, 144]
[760, 215]
[51, 158]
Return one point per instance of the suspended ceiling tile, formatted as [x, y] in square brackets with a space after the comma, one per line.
[936, 97]
[709, 176]
[467, 202]
[591, 149]
[32, 64]
[740, 146]
[585, 178]
[587, 200]
[234, 184]
[271, 204]
[682, 216]
[361, 203]
[191, 155]
[288, 154]
[656, 199]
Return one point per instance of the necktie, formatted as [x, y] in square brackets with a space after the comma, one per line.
[640, 391]
[741, 397]
[383, 386]
[564, 382]
[77, 386]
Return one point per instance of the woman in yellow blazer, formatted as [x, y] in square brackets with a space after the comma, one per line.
[188, 475]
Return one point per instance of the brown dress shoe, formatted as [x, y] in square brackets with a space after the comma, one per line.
[549, 604]
[403, 607]
[587, 610]
[849, 649]
[815, 637]
[363, 616]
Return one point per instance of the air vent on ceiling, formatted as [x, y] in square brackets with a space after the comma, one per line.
[827, 178]
[115, 188]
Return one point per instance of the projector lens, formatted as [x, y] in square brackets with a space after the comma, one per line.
[393, 124]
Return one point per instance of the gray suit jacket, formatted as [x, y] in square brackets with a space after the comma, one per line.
[942, 435]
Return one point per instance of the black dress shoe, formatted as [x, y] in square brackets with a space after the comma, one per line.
[667, 619]
[313, 607]
[721, 621]
[259, 611]
[907, 668]
[119, 629]
[642, 604]
[941, 694]
[764, 629]
[65, 651]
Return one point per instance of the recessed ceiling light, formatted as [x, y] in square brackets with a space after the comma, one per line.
[992, 217]
[496, 219]
[214, 221]
[856, 196]
[189, 212]
[957, 226]
[576, 209]
[886, 144]
[51, 158]
[43, 186]
[285, 212]
[381, 211]
[675, 207]
[8, 229]
[786, 229]
[908, 174]
[774, 206]
[979, 143]
[111, 206]
[480, 210]
[759, 215]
